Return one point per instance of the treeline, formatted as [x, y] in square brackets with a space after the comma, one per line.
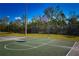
[16, 25]
[55, 21]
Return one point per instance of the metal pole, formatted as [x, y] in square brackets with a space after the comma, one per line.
[25, 19]
[25, 27]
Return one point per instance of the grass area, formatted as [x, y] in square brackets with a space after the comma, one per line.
[50, 36]
[10, 34]
[54, 36]
[46, 50]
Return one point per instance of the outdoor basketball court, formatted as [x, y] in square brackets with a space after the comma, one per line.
[36, 47]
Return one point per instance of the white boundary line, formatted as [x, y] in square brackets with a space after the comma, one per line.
[68, 47]
[71, 48]
[43, 44]
[5, 46]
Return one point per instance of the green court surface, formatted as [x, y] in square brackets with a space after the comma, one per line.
[36, 47]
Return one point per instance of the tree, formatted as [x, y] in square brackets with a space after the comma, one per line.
[18, 24]
[35, 25]
[56, 18]
[73, 24]
[4, 23]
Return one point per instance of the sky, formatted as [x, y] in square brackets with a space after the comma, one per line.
[17, 10]
[38, 9]
[13, 11]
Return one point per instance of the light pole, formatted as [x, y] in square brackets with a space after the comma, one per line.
[25, 23]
